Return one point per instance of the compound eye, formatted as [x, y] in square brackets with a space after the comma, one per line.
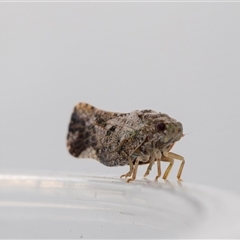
[161, 127]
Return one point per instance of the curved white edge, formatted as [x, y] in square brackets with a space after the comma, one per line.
[160, 209]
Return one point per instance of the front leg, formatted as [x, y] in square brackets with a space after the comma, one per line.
[170, 160]
[158, 169]
[178, 157]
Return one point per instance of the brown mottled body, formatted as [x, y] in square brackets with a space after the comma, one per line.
[117, 139]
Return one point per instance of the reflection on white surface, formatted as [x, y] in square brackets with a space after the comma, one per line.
[70, 206]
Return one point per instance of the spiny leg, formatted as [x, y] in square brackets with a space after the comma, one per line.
[178, 157]
[167, 159]
[128, 174]
[134, 171]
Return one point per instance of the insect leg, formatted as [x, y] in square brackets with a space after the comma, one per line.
[167, 159]
[158, 168]
[134, 171]
[128, 174]
[149, 168]
[178, 157]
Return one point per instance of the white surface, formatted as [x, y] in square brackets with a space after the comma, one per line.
[70, 206]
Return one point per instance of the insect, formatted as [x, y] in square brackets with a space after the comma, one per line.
[118, 139]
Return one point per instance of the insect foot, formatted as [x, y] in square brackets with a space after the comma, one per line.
[129, 174]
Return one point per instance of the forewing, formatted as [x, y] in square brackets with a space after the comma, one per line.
[108, 137]
[81, 136]
[120, 138]
[86, 130]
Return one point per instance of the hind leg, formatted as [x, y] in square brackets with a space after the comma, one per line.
[128, 174]
[134, 174]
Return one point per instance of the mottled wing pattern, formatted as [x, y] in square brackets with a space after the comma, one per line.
[105, 136]
[120, 138]
[81, 133]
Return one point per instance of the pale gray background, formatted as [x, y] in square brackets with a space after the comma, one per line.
[178, 58]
